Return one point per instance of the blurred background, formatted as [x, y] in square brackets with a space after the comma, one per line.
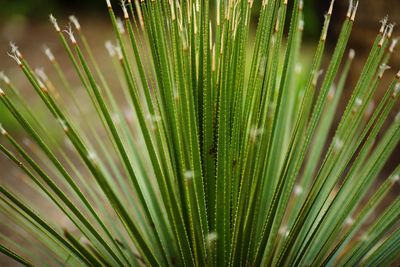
[25, 22]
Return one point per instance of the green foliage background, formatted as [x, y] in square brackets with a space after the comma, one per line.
[39, 9]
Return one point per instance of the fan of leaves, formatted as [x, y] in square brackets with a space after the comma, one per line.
[210, 148]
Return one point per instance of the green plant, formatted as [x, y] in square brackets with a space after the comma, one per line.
[221, 162]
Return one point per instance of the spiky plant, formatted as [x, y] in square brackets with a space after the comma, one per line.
[211, 149]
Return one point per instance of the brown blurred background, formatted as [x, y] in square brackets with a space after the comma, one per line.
[25, 22]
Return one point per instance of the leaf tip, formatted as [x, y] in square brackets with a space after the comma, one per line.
[382, 68]
[75, 22]
[120, 26]
[352, 54]
[4, 78]
[283, 231]
[189, 175]
[396, 177]
[338, 144]
[110, 48]
[53, 20]
[2, 130]
[349, 221]
[124, 9]
[49, 53]
[212, 237]
[70, 33]
[298, 190]
[330, 11]
[63, 124]
[393, 45]
[384, 22]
